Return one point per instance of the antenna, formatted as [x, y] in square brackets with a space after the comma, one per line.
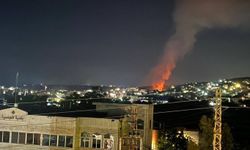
[17, 76]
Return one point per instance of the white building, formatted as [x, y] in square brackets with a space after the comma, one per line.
[21, 131]
[18, 130]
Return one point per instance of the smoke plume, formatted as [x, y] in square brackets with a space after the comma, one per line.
[191, 17]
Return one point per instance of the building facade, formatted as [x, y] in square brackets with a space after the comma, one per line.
[19, 130]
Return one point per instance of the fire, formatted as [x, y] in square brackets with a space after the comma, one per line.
[162, 74]
[160, 86]
[155, 140]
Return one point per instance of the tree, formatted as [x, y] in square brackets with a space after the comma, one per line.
[227, 137]
[206, 135]
[74, 95]
[192, 146]
[172, 139]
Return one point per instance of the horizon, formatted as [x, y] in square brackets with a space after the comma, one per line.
[112, 85]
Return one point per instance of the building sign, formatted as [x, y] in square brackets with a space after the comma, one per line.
[12, 114]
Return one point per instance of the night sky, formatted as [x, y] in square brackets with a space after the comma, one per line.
[108, 42]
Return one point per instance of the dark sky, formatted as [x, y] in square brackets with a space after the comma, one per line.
[107, 42]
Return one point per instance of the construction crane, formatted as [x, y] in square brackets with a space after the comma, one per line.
[217, 120]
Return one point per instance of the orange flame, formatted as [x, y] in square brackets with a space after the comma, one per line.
[160, 86]
[154, 139]
[162, 74]
[163, 71]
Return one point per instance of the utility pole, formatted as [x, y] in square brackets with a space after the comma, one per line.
[217, 120]
[17, 76]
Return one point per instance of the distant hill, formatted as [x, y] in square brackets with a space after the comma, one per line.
[64, 87]
[240, 79]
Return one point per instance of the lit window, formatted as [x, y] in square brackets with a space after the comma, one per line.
[85, 139]
[6, 136]
[69, 141]
[14, 136]
[61, 141]
[46, 140]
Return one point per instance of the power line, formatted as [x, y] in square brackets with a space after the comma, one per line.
[111, 116]
[160, 112]
[82, 99]
[235, 107]
[172, 111]
[37, 102]
[186, 101]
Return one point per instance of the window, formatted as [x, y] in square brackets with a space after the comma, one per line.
[150, 124]
[97, 140]
[6, 136]
[69, 141]
[85, 139]
[94, 143]
[45, 140]
[1, 136]
[21, 139]
[98, 145]
[140, 124]
[108, 142]
[125, 142]
[14, 137]
[37, 139]
[137, 144]
[29, 138]
[53, 140]
[61, 141]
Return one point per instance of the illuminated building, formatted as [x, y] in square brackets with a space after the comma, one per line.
[20, 130]
[31, 132]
